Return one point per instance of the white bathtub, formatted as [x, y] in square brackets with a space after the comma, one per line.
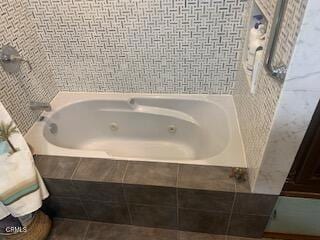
[188, 129]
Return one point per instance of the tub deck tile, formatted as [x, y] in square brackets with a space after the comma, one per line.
[59, 167]
[152, 173]
[100, 170]
[210, 178]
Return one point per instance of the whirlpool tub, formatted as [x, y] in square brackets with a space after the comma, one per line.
[190, 129]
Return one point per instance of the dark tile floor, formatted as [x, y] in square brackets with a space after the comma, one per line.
[69, 229]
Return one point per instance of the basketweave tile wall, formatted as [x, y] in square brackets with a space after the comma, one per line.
[256, 111]
[16, 90]
[291, 25]
[153, 46]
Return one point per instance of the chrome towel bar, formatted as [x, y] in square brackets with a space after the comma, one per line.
[276, 72]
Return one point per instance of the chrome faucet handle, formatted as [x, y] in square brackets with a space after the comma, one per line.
[20, 59]
[10, 59]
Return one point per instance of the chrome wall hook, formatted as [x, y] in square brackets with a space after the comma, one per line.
[11, 60]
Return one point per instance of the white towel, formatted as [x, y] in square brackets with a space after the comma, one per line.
[21, 186]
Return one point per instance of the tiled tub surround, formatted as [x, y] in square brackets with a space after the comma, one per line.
[256, 111]
[298, 100]
[149, 46]
[118, 46]
[16, 90]
[163, 195]
[191, 129]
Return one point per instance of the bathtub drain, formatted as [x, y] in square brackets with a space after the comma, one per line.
[53, 128]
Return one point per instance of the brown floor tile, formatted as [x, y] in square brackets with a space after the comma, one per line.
[199, 236]
[67, 229]
[105, 231]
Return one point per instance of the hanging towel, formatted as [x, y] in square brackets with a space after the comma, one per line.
[21, 186]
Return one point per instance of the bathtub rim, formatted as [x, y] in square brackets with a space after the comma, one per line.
[64, 99]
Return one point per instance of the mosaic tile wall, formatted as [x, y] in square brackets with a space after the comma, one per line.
[16, 90]
[154, 46]
[256, 111]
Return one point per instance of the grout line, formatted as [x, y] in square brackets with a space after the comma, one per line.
[147, 205]
[125, 195]
[76, 168]
[118, 204]
[125, 172]
[127, 205]
[177, 201]
[84, 209]
[205, 210]
[78, 196]
[86, 232]
[177, 206]
[177, 194]
[178, 172]
[231, 213]
[152, 204]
